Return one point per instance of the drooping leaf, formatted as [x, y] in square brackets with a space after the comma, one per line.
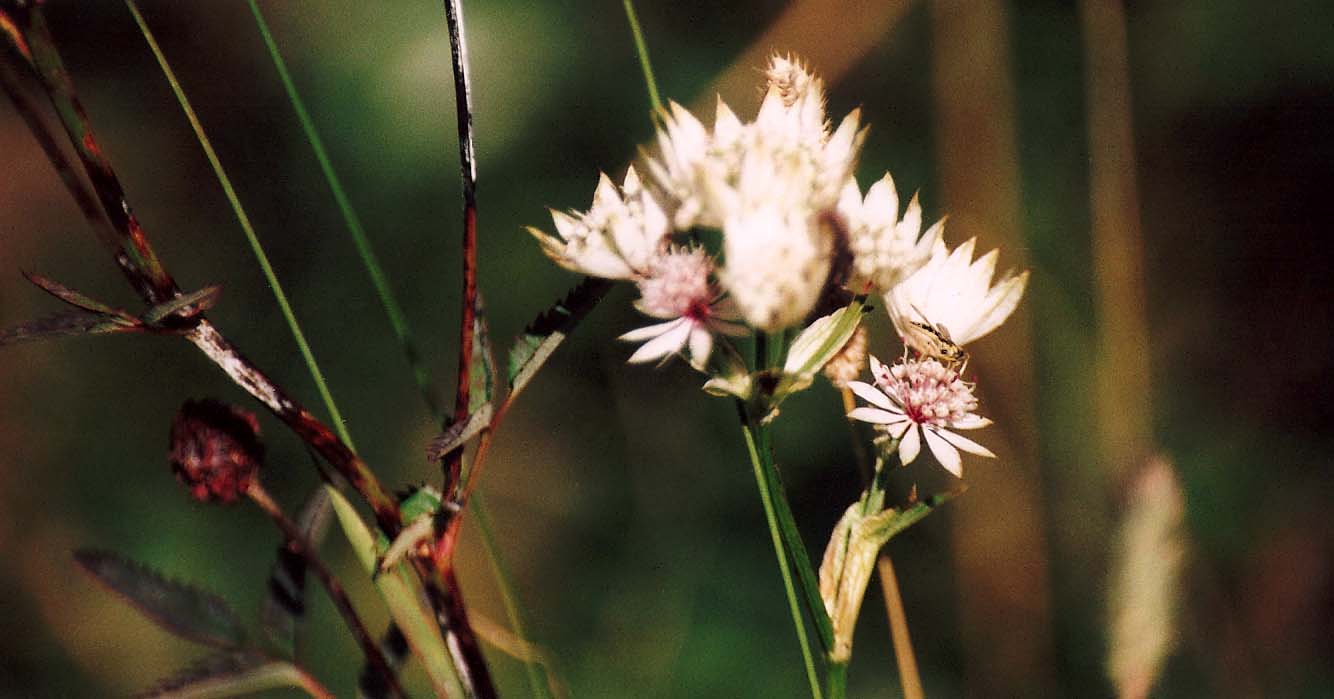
[231, 675]
[482, 379]
[70, 324]
[404, 600]
[71, 296]
[184, 610]
[532, 348]
[184, 306]
[285, 605]
[459, 433]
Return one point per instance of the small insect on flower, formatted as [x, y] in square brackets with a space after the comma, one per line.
[932, 340]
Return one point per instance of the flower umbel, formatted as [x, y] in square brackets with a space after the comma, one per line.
[678, 287]
[922, 399]
[885, 249]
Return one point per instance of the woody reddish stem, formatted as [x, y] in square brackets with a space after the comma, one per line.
[299, 544]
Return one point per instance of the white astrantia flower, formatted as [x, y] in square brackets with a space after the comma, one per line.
[885, 249]
[954, 294]
[616, 238]
[769, 185]
[677, 288]
[920, 399]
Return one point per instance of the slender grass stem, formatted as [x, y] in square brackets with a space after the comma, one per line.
[258, 249]
[512, 611]
[836, 681]
[642, 49]
[793, 605]
[406, 339]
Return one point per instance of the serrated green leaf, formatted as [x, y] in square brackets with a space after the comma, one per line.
[482, 379]
[182, 609]
[184, 306]
[71, 296]
[532, 348]
[234, 674]
[285, 605]
[404, 600]
[71, 324]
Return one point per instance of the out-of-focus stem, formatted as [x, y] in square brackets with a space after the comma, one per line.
[296, 541]
[909, 678]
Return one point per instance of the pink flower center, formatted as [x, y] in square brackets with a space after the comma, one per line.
[678, 285]
[930, 393]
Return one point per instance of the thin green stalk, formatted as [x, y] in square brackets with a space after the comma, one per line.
[483, 519]
[369, 260]
[654, 101]
[249, 230]
[770, 517]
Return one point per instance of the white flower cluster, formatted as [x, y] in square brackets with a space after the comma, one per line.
[795, 227]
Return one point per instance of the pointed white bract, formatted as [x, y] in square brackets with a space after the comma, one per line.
[678, 288]
[885, 249]
[917, 400]
[616, 238]
[955, 294]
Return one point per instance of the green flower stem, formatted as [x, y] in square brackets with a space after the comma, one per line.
[836, 681]
[793, 606]
[249, 230]
[792, 542]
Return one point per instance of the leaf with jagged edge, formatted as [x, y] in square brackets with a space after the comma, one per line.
[184, 306]
[182, 609]
[459, 433]
[534, 346]
[70, 324]
[403, 600]
[233, 674]
[285, 605]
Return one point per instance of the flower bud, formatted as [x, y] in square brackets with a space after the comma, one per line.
[215, 449]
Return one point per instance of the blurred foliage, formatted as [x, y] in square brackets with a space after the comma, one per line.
[621, 495]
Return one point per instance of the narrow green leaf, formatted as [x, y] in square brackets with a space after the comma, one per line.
[71, 324]
[532, 348]
[70, 296]
[403, 600]
[184, 306]
[234, 674]
[185, 611]
[285, 605]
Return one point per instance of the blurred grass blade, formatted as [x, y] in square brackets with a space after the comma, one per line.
[185, 611]
[403, 601]
[235, 675]
[260, 256]
[285, 606]
[369, 260]
[534, 347]
[482, 517]
[641, 49]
